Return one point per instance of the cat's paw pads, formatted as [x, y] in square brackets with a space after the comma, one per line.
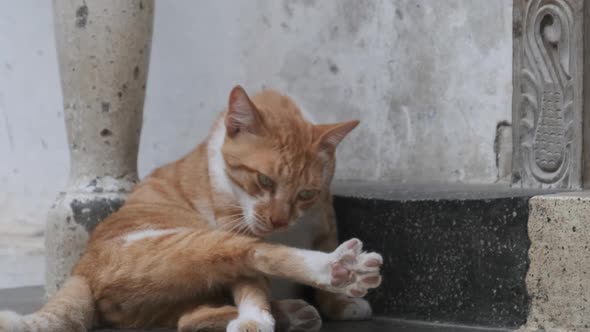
[296, 316]
[260, 321]
[353, 271]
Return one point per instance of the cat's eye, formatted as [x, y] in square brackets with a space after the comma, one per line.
[265, 181]
[306, 195]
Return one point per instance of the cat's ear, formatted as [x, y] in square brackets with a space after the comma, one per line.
[241, 115]
[330, 135]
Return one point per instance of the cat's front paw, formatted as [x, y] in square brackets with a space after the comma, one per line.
[354, 272]
[252, 321]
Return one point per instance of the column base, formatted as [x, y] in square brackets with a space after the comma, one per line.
[71, 219]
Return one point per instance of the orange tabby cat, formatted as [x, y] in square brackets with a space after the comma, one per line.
[187, 249]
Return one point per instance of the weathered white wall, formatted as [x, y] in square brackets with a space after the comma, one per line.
[429, 79]
[33, 151]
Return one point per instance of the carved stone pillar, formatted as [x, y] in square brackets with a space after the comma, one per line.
[548, 99]
[103, 49]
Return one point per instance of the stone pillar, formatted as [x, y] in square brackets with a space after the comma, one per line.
[558, 281]
[548, 99]
[103, 50]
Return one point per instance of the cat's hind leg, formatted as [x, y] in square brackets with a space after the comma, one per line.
[296, 316]
[251, 295]
[207, 318]
[255, 314]
[340, 307]
[290, 316]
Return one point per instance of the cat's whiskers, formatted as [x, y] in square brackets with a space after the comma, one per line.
[237, 224]
[258, 219]
[232, 223]
[259, 228]
[230, 216]
[257, 215]
[231, 227]
[241, 229]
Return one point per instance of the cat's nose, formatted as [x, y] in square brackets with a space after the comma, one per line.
[279, 222]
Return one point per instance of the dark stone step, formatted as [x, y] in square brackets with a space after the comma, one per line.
[28, 299]
[452, 253]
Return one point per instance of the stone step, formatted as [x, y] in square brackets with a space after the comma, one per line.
[452, 253]
[28, 299]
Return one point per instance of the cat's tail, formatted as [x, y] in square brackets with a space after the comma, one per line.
[70, 310]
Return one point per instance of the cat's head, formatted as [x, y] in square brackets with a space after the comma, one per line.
[281, 163]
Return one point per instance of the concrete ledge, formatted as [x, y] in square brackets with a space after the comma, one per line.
[558, 280]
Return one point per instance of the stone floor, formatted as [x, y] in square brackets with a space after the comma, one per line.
[28, 299]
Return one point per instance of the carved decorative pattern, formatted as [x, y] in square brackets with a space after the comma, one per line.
[546, 94]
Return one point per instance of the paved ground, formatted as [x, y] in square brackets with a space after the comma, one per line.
[28, 299]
